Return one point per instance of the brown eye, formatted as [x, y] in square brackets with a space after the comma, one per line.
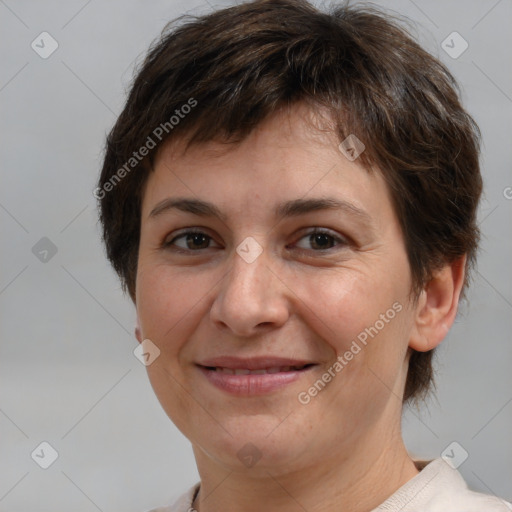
[190, 241]
[197, 241]
[319, 240]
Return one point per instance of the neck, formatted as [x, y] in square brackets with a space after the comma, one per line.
[358, 482]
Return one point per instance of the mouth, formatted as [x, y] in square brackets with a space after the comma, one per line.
[261, 371]
[253, 376]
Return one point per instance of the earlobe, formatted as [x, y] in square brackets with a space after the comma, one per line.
[138, 332]
[437, 306]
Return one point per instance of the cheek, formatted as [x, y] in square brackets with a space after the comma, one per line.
[345, 303]
[168, 304]
[364, 320]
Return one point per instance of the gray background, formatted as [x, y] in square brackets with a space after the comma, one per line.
[67, 372]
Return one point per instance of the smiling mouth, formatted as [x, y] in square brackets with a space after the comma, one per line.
[254, 381]
[261, 371]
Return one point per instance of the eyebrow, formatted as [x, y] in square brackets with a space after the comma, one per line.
[292, 208]
[195, 206]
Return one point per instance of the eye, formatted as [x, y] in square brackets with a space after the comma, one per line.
[190, 240]
[194, 240]
[320, 240]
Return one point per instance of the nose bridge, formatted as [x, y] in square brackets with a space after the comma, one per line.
[247, 281]
[248, 295]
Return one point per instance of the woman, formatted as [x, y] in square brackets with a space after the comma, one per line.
[290, 197]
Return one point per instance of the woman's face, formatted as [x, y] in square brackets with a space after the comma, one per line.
[277, 345]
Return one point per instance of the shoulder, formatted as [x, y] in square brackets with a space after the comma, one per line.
[183, 504]
[440, 488]
[468, 501]
[437, 488]
[462, 499]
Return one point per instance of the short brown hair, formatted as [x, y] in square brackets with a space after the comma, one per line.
[238, 65]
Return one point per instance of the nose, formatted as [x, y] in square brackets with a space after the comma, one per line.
[251, 298]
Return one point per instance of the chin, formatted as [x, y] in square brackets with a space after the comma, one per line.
[257, 443]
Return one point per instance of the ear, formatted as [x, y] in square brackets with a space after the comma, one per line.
[138, 332]
[437, 306]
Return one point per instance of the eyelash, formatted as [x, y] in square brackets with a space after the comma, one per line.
[315, 231]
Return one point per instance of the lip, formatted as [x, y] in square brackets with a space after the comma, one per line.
[252, 363]
[218, 372]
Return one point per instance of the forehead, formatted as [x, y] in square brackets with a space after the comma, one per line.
[292, 154]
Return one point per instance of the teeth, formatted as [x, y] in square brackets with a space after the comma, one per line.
[245, 371]
[229, 371]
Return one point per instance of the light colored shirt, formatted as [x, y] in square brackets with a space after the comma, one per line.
[436, 488]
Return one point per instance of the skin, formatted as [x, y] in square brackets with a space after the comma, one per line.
[294, 300]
